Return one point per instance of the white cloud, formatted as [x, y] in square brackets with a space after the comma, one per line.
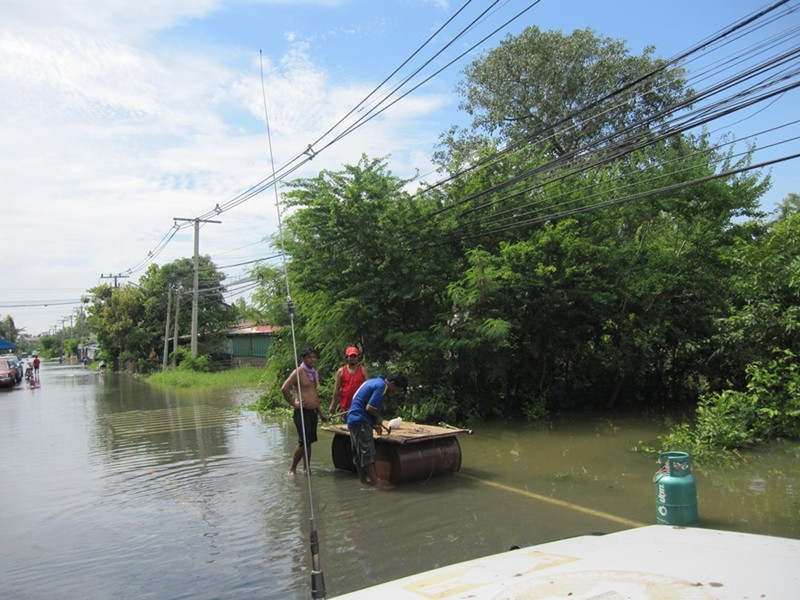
[109, 18]
[108, 136]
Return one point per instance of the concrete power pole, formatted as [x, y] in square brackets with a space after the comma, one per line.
[196, 278]
[177, 315]
[166, 327]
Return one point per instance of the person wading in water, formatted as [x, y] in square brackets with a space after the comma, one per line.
[348, 379]
[303, 383]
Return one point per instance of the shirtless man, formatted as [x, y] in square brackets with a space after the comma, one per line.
[300, 391]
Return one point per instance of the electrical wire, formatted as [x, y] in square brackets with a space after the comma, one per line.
[301, 158]
[728, 35]
[705, 45]
[759, 92]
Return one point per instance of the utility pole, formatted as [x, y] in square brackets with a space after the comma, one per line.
[196, 278]
[63, 329]
[177, 314]
[114, 277]
[166, 327]
[80, 318]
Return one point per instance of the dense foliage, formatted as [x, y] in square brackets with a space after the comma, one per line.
[560, 267]
[562, 93]
[8, 331]
[757, 346]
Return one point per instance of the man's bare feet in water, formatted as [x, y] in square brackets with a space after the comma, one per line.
[383, 485]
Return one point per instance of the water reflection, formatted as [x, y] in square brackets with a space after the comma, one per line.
[758, 486]
[114, 489]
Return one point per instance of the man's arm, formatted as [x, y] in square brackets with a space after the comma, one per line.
[288, 386]
[377, 416]
[337, 391]
[374, 405]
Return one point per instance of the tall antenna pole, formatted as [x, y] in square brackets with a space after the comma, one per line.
[317, 576]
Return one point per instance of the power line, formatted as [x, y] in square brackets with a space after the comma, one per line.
[570, 120]
[588, 157]
[38, 303]
[305, 156]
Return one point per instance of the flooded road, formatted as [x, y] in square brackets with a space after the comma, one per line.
[114, 489]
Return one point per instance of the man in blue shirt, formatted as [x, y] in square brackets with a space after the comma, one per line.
[364, 416]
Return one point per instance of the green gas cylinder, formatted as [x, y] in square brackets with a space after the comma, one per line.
[675, 489]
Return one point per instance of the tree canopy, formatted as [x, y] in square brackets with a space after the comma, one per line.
[525, 284]
[562, 93]
[8, 330]
[580, 255]
[130, 321]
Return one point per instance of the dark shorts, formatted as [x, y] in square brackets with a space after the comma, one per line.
[309, 420]
[362, 444]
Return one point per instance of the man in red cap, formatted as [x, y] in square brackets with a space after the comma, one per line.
[348, 379]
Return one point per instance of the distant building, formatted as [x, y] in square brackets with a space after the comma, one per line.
[92, 351]
[248, 343]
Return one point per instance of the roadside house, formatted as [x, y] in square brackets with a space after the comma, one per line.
[248, 343]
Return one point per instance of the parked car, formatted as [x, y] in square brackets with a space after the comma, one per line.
[8, 373]
[19, 370]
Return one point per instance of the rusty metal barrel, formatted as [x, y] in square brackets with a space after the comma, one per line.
[424, 459]
[402, 462]
[342, 453]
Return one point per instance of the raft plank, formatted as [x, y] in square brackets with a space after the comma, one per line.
[407, 433]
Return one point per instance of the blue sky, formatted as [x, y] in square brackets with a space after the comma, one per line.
[118, 116]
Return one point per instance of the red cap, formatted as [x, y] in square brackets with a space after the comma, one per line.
[351, 350]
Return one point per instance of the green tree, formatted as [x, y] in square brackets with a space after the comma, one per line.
[8, 330]
[362, 269]
[214, 315]
[563, 92]
[245, 311]
[115, 316]
[614, 304]
[593, 300]
[757, 398]
[130, 321]
[764, 312]
[50, 346]
[525, 285]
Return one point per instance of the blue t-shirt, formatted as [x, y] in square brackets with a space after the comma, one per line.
[371, 393]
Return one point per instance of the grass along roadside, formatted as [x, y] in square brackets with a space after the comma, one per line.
[240, 377]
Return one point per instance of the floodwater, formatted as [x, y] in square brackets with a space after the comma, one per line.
[113, 489]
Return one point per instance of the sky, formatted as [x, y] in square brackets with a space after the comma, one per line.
[118, 117]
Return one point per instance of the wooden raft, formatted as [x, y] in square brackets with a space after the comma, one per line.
[411, 451]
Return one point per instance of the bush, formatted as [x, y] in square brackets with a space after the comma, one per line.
[272, 402]
[186, 362]
[726, 421]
